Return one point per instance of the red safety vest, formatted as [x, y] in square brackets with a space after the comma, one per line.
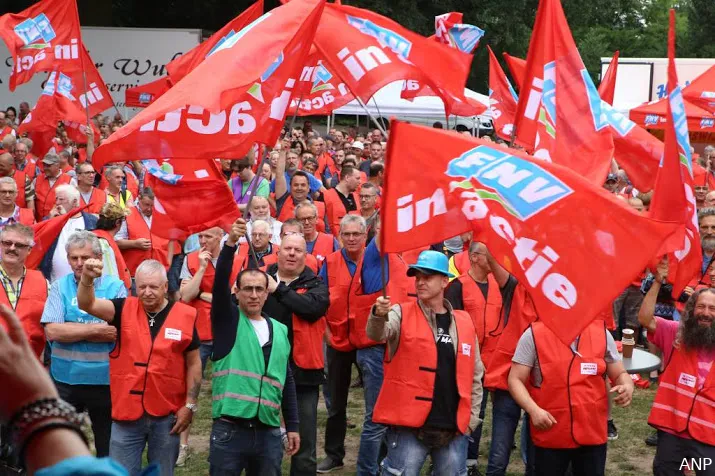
[336, 210]
[323, 247]
[307, 345]
[30, 305]
[30, 168]
[203, 320]
[359, 304]
[272, 259]
[244, 253]
[124, 274]
[288, 209]
[145, 375]
[679, 405]
[45, 195]
[137, 228]
[26, 217]
[339, 282]
[486, 315]
[573, 390]
[410, 256]
[521, 315]
[20, 177]
[408, 387]
[461, 261]
[96, 201]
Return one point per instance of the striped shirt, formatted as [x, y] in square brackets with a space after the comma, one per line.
[54, 312]
[12, 292]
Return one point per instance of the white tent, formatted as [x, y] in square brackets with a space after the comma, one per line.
[387, 103]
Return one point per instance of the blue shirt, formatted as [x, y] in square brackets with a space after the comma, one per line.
[313, 183]
[91, 466]
[371, 273]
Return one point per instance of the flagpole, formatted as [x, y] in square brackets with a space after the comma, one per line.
[252, 191]
[81, 61]
[362, 104]
[379, 114]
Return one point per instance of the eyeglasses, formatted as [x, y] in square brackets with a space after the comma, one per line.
[307, 219]
[252, 289]
[18, 246]
[367, 197]
[8, 192]
[88, 172]
[259, 235]
[351, 235]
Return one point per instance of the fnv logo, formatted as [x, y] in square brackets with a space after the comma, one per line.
[707, 123]
[36, 33]
[522, 187]
[651, 119]
[399, 45]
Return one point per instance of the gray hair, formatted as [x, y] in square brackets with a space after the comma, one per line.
[108, 171]
[70, 191]
[82, 238]
[152, 266]
[28, 143]
[9, 181]
[66, 153]
[19, 228]
[305, 204]
[352, 220]
[708, 149]
[146, 192]
[706, 212]
[261, 223]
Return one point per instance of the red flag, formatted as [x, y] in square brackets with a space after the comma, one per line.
[41, 134]
[673, 199]
[502, 99]
[563, 238]
[44, 37]
[320, 91]
[97, 98]
[145, 94]
[607, 88]
[368, 51]
[46, 232]
[559, 114]
[701, 91]
[517, 68]
[187, 62]
[236, 97]
[192, 197]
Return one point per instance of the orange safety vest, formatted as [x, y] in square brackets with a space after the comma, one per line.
[679, 405]
[30, 305]
[150, 376]
[410, 256]
[288, 211]
[339, 282]
[486, 315]
[244, 253]
[20, 177]
[137, 228]
[27, 217]
[307, 345]
[272, 259]
[96, 201]
[45, 195]
[573, 390]
[203, 321]
[408, 387]
[336, 210]
[461, 261]
[359, 304]
[122, 269]
[30, 168]
[323, 247]
[521, 315]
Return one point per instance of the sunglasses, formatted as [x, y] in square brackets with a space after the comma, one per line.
[18, 246]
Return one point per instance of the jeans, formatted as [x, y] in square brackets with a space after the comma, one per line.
[505, 418]
[305, 462]
[205, 349]
[672, 451]
[473, 449]
[406, 455]
[326, 389]
[174, 273]
[369, 360]
[235, 447]
[96, 400]
[130, 437]
[339, 370]
[584, 460]
[527, 447]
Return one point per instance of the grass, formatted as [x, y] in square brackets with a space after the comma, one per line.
[627, 456]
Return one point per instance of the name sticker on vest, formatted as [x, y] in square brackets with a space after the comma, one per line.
[466, 349]
[589, 368]
[172, 334]
[687, 380]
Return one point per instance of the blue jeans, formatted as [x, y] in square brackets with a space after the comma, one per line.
[305, 461]
[235, 447]
[205, 349]
[130, 437]
[406, 455]
[370, 362]
[505, 418]
[473, 450]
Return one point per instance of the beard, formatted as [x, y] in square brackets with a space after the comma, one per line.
[708, 243]
[694, 336]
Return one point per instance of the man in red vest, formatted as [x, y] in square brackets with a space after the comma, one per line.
[25, 197]
[479, 292]
[24, 160]
[155, 369]
[46, 183]
[89, 194]
[563, 390]
[342, 199]
[432, 389]
[10, 212]
[684, 408]
[319, 244]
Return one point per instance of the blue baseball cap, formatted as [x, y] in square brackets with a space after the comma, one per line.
[431, 262]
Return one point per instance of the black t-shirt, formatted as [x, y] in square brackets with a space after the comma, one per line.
[158, 322]
[445, 400]
[348, 202]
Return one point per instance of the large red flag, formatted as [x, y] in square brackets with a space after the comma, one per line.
[234, 98]
[673, 199]
[559, 114]
[607, 88]
[320, 91]
[368, 51]
[44, 37]
[517, 68]
[571, 243]
[97, 98]
[187, 62]
[502, 99]
[145, 94]
[46, 232]
[192, 197]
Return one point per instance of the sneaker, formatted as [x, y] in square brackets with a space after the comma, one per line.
[328, 465]
[612, 431]
[652, 440]
[183, 456]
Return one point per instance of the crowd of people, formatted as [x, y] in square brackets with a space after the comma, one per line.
[121, 324]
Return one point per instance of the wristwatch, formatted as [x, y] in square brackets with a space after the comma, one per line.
[192, 406]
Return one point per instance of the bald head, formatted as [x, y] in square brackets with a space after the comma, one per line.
[7, 162]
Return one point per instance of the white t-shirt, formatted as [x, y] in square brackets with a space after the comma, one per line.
[262, 332]
[60, 265]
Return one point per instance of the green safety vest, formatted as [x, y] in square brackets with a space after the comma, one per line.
[242, 386]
